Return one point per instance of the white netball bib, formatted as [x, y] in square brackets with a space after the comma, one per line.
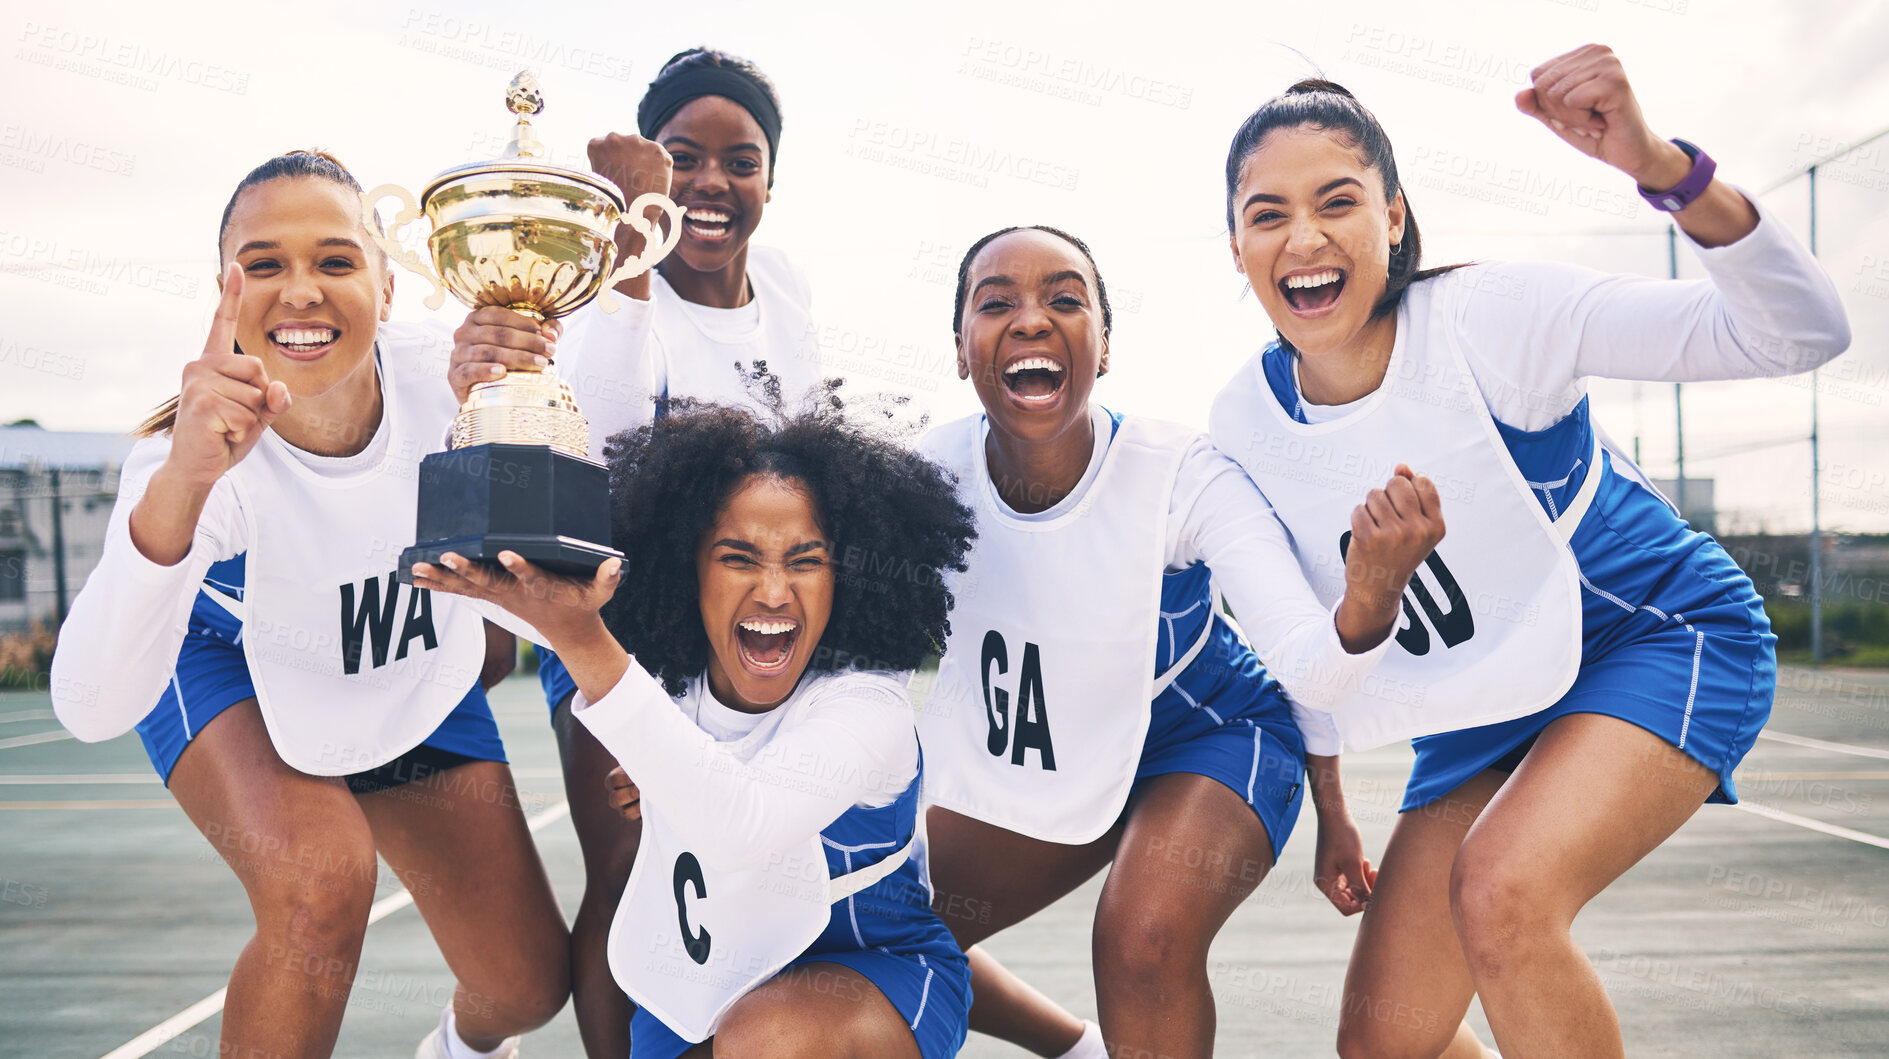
[689, 940]
[1491, 625]
[351, 668]
[1041, 705]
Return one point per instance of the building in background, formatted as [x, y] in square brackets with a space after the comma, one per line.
[1855, 592]
[1699, 507]
[56, 494]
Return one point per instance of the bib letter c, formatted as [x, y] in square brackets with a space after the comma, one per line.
[689, 871]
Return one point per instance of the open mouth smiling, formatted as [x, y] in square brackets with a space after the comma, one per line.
[766, 644]
[1034, 379]
[1312, 292]
[710, 224]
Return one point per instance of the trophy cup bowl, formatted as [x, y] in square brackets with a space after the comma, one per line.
[537, 246]
[537, 239]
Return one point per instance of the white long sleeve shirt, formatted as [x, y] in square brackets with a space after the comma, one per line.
[119, 645]
[844, 739]
[1535, 330]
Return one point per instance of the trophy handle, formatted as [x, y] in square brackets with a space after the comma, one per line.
[652, 251]
[390, 241]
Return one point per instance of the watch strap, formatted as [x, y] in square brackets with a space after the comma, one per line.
[1680, 195]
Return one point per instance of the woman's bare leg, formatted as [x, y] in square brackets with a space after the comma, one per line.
[458, 838]
[984, 879]
[1593, 797]
[1192, 851]
[1408, 985]
[609, 845]
[304, 853]
[813, 1011]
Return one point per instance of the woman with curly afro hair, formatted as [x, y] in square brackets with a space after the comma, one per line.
[746, 663]
[708, 134]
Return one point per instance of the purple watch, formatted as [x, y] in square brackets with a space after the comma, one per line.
[1696, 181]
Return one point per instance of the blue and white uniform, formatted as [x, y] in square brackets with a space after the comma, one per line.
[1088, 650]
[288, 596]
[1663, 630]
[619, 363]
[772, 840]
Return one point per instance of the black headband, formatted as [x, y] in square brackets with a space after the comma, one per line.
[665, 97]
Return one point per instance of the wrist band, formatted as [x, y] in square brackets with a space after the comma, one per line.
[1694, 184]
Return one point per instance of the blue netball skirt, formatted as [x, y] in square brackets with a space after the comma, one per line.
[1674, 640]
[1227, 719]
[212, 675]
[553, 678]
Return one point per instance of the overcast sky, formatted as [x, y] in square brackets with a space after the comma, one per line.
[908, 135]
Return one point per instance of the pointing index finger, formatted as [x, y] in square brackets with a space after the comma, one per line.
[223, 328]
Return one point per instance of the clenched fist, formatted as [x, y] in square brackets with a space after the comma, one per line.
[624, 797]
[1392, 532]
[636, 166]
[1584, 97]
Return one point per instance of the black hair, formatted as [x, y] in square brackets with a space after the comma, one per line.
[964, 272]
[893, 523]
[682, 63]
[318, 164]
[1330, 106]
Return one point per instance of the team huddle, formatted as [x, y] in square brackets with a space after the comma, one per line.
[1400, 523]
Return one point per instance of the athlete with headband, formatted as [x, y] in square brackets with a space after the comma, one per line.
[719, 320]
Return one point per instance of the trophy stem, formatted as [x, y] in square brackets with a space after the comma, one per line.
[524, 142]
[524, 234]
[523, 406]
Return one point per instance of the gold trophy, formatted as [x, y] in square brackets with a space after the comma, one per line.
[535, 238]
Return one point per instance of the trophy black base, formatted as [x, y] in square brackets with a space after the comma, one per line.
[548, 506]
[559, 555]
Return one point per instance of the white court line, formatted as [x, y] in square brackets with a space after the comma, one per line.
[1767, 776]
[88, 805]
[36, 737]
[27, 779]
[54, 778]
[1819, 744]
[27, 715]
[1814, 825]
[147, 1042]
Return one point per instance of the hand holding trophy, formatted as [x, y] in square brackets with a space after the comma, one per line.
[538, 239]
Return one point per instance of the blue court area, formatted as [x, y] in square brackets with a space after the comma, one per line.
[1761, 930]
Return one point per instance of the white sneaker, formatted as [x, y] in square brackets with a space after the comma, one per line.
[433, 1046]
